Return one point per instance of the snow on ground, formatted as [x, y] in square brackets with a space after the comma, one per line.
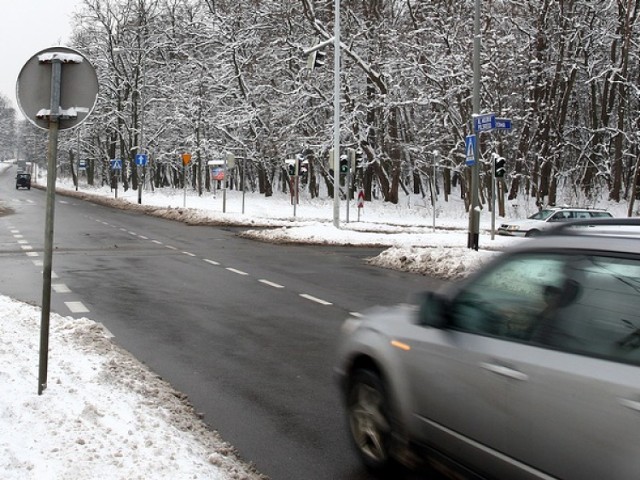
[104, 415]
[408, 228]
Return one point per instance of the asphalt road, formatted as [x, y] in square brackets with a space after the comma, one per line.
[246, 329]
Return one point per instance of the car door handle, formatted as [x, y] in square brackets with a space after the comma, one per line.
[505, 371]
[633, 405]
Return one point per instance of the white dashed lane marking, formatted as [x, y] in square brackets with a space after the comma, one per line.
[271, 284]
[76, 307]
[211, 262]
[60, 288]
[315, 299]
[239, 272]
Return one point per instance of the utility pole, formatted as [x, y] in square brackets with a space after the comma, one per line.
[474, 208]
[336, 115]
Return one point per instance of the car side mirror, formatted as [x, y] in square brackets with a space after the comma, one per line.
[433, 310]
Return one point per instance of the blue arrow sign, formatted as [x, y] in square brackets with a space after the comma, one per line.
[141, 159]
[116, 164]
[470, 150]
[503, 123]
[484, 123]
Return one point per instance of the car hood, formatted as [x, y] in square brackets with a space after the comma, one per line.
[525, 224]
[387, 318]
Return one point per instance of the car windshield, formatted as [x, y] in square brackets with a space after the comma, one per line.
[542, 214]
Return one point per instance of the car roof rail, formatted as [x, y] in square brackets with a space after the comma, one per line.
[591, 227]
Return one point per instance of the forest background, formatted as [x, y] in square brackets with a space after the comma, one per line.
[221, 78]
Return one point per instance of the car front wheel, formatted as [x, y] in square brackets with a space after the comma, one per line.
[370, 421]
[532, 233]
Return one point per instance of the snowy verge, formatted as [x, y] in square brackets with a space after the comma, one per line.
[414, 248]
[105, 415]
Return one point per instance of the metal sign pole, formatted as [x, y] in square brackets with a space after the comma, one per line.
[336, 114]
[36, 88]
[433, 188]
[493, 198]
[224, 187]
[474, 207]
[244, 172]
[52, 153]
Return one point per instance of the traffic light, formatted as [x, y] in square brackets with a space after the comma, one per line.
[500, 167]
[290, 165]
[351, 153]
[344, 165]
[321, 57]
[359, 158]
[316, 59]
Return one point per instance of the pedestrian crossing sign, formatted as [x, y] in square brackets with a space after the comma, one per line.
[470, 150]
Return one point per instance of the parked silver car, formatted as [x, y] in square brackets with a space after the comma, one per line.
[529, 369]
[547, 219]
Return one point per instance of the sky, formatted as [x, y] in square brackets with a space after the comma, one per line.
[106, 415]
[28, 26]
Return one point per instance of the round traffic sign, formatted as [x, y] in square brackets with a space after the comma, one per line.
[78, 87]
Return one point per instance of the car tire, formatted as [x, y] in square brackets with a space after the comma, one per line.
[532, 233]
[370, 422]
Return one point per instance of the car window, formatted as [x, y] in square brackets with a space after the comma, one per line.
[601, 214]
[604, 318]
[584, 304]
[562, 216]
[507, 300]
[542, 215]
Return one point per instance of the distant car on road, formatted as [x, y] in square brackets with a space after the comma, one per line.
[528, 369]
[23, 180]
[546, 218]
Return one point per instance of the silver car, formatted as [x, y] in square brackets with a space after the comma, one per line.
[546, 219]
[529, 369]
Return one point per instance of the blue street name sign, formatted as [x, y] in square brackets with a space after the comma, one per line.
[470, 150]
[141, 159]
[116, 164]
[484, 123]
[503, 123]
